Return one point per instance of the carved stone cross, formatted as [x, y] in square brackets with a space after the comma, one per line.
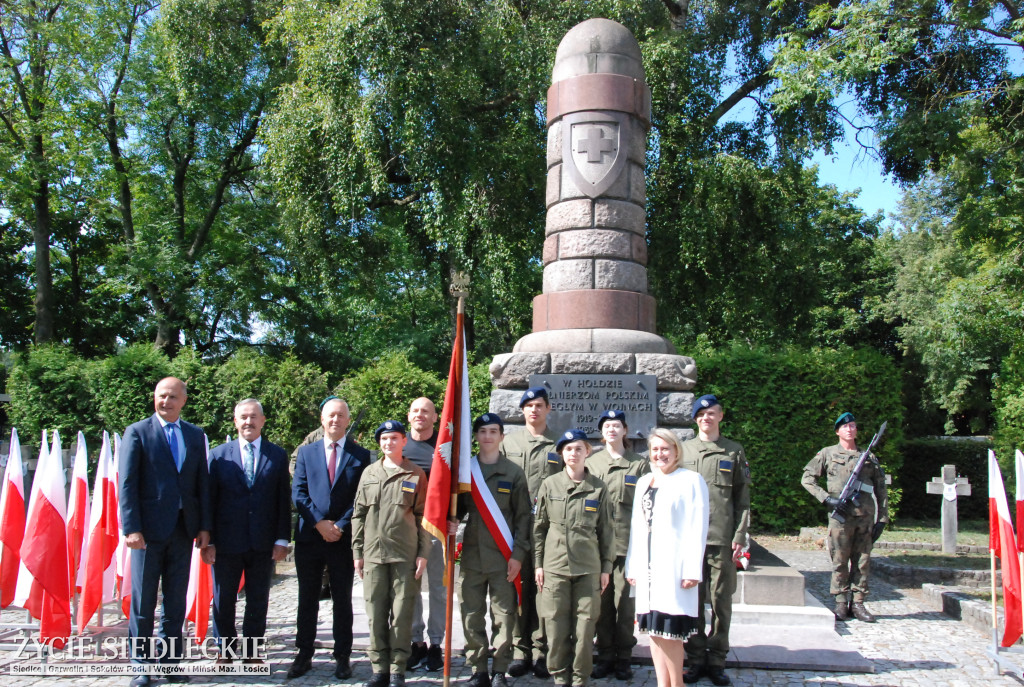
[595, 144]
[950, 486]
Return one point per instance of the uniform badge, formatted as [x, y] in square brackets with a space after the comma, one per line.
[631, 480]
[725, 466]
[408, 487]
[504, 487]
[590, 505]
[554, 459]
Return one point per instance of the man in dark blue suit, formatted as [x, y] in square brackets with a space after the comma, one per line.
[165, 504]
[250, 493]
[327, 474]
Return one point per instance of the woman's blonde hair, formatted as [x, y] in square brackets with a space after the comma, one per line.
[670, 438]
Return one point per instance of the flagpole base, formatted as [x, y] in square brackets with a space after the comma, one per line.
[1009, 660]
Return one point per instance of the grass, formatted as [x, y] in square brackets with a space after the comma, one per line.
[969, 532]
[935, 559]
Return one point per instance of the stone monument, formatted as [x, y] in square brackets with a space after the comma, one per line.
[594, 315]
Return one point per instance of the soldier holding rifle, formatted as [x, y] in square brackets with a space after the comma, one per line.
[852, 526]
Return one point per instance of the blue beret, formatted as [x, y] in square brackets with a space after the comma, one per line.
[703, 403]
[389, 426]
[611, 415]
[570, 436]
[843, 419]
[532, 393]
[488, 419]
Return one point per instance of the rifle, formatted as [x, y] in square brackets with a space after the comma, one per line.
[353, 429]
[852, 489]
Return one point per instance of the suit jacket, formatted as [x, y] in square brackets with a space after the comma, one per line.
[151, 488]
[315, 498]
[249, 518]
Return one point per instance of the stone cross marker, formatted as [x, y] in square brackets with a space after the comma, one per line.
[950, 486]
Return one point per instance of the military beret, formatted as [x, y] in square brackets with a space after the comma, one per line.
[570, 436]
[389, 426]
[611, 415]
[488, 419]
[532, 393]
[332, 397]
[704, 402]
[843, 419]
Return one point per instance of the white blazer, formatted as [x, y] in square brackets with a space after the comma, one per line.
[679, 532]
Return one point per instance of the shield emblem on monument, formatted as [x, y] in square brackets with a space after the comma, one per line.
[594, 149]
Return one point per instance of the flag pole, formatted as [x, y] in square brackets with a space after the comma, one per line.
[459, 289]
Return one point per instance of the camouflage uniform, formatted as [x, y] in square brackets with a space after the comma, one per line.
[849, 542]
[723, 465]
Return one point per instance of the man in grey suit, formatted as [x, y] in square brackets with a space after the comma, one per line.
[164, 496]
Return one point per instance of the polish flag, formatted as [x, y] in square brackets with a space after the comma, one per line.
[44, 551]
[453, 444]
[1004, 545]
[12, 522]
[99, 570]
[78, 512]
[28, 593]
[1019, 472]
[200, 586]
[123, 555]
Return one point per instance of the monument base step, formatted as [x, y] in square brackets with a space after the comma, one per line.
[811, 616]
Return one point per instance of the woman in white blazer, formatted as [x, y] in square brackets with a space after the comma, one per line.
[666, 551]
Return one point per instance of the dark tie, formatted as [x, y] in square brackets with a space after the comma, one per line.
[172, 441]
[332, 462]
[250, 464]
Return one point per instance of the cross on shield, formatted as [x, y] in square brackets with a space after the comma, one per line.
[593, 149]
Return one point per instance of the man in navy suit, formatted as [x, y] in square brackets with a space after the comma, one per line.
[327, 473]
[250, 492]
[165, 504]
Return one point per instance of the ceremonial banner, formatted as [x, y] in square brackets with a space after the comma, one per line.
[78, 511]
[99, 569]
[1003, 543]
[453, 444]
[123, 555]
[12, 522]
[1019, 473]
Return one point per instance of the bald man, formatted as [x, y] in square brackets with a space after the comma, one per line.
[164, 493]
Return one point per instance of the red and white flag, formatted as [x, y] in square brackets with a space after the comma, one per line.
[492, 517]
[453, 444]
[12, 522]
[99, 567]
[44, 550]
[123, 555]
[1003, 543]
[78, 511]
[28, 593]
[1019, 473]
[200, 587]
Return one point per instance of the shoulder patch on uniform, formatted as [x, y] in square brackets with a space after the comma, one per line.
[725, 466]
[591, 505]
[504, 487]
[554, 459]
[746, 471]
[631, 480]
[408, 487]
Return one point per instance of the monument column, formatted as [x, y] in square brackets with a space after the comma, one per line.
[594, 315]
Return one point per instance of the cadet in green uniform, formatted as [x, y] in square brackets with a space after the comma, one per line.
[723, 465]
[533, 451]
[574, 544]
[390, 548]
[849, 542]
[619, 469]
[485, 568]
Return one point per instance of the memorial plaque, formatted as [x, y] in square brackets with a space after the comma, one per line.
[579, 400]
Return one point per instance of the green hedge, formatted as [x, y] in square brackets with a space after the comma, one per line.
[923, 459]
[781, 405]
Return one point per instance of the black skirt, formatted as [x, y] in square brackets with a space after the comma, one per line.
[660, 624]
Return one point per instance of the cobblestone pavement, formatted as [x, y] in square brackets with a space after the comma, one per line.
[909, 645]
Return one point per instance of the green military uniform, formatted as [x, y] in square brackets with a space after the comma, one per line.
[388, 537]
[536, 457]
[484, 569]
[615, 638]
[850, 542]
[724, 467]
[574, 542]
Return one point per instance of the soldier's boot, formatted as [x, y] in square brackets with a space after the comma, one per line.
[520, 667]
[540, 668]
[478, 679]
[623, 671]
[842, 610]
[498, 680]
[718, 676]
[695, 672]
[861, 613]
[602, 669]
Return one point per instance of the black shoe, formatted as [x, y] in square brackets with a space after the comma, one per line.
[520, 667]
[397, 680]
[417, 653]
[300, 666]
[623, 671]
[378, 680]
[602, 669]
[718, 676]
[842, 611]
[499, 680]
[693, 673]
[861, 613]
[179, 679]
[478, 679]
[343, 670]
[540, 668]
[435, 658]
[140, 681]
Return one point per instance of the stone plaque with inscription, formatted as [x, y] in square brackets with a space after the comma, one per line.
[579, 400]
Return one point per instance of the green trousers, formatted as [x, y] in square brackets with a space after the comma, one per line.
[615, 638]
[849, 545]
[569, 607]
[529, 640]
[474, 588]
[710, 646]
[390, 591]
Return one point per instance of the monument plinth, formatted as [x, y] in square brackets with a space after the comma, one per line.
[594, 315]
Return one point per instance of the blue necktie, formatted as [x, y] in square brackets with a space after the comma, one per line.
[250, 464]
[172, 441]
